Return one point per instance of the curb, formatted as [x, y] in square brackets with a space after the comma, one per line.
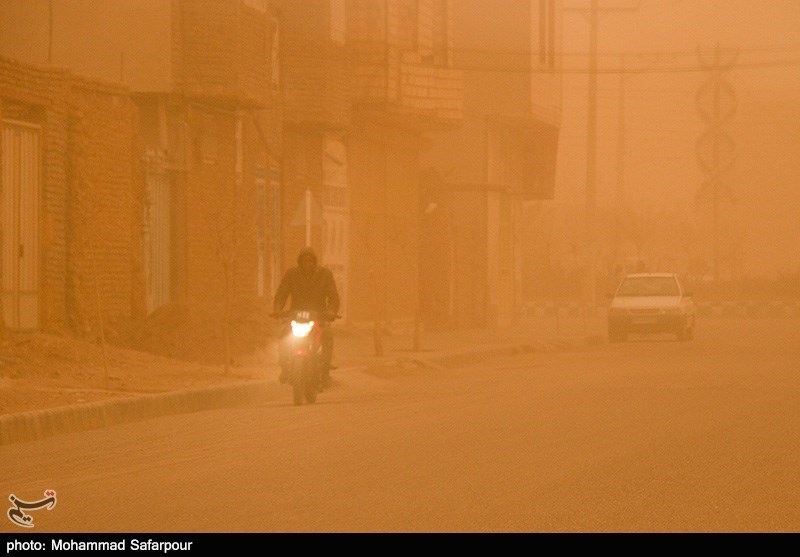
[39, 424]
[30, 426]
[788, 310]
[557, 345]
[750, 310]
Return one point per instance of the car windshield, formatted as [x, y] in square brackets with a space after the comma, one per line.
[648, 286]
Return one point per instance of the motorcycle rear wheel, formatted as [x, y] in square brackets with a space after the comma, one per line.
[312, 381]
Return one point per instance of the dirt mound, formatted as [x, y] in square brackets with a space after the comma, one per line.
[197, 334]
[44, 355]
[40, 370]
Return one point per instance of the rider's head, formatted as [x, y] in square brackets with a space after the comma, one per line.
[307, 259]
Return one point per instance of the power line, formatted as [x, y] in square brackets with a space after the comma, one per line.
[312, 51]
[628, 54]
[501, 65]
[621, 70]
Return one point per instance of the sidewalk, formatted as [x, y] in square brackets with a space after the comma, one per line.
[354, 350]
[453, 348]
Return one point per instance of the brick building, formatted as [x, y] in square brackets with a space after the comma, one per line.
[480, 176]
[69, 211]
[199, 79]
[246, 109]
[212, 137]
[317, 116]
[405, 92]
[364, 82]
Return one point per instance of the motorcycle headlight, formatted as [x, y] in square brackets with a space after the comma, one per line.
[302, 328]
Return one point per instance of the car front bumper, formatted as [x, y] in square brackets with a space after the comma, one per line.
[649, 323]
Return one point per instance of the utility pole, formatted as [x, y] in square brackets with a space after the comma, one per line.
[50, 32]
[591, 160]
[620, 192]
[594, 12]
[619, 197]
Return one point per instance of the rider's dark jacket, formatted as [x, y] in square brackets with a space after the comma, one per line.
[314, 291]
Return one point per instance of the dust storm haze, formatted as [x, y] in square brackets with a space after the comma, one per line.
[656, 105]
[460, 163]
[479, 177]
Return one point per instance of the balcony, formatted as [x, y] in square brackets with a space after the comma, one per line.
[402, 89]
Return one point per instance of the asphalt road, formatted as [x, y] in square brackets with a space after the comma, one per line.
[651, 435]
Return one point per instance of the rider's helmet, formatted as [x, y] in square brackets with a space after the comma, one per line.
[307, 258]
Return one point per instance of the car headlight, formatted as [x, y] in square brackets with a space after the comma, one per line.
[671, 311]
[617, 311]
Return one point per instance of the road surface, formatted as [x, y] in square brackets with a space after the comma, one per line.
[651, 435]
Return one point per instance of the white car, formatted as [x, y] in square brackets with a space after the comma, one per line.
[651, 303]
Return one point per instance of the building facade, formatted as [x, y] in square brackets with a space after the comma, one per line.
[67, 165]
[365, 82]
[255, 127]
[185, 143]
[406, 91]
[317, 115]
[481, 176]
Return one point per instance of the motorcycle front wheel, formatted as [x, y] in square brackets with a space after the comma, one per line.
[299, 376]
[312, 388]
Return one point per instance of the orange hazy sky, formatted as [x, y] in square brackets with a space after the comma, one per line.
[661, 119]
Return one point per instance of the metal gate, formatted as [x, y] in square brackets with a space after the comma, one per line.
[157, 240]
[20, 186]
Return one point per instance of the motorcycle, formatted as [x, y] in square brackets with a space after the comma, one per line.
[304, 353]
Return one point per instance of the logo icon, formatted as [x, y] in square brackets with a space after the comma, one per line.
[17, 515]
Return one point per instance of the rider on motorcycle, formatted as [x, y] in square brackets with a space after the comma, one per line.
[312, 288]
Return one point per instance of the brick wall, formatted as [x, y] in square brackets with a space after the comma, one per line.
[222, 60]
[400, 53]
[88, 205]
[104, 212]
[401, 82]
[315, 68]
[367, 23]
[221, 48]
[435, 92]
[208, 181]
[254, 36]
[39, 95]
[220, 222]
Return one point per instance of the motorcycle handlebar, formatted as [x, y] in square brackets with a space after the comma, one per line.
[285, 314]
